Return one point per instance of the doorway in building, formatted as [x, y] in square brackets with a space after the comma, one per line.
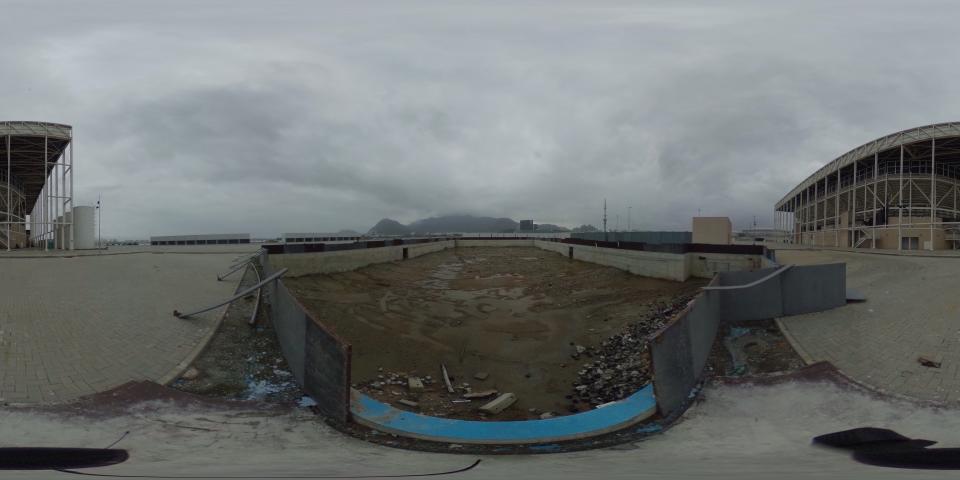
[910, 243]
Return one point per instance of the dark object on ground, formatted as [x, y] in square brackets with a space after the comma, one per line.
[926, 362]
[920, 458]
[855, 296]
[43, 458]
[868, 437]
[885, 448]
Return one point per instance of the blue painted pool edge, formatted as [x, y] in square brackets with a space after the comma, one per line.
[385, 418]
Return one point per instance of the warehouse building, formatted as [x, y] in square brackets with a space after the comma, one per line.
[209, 239]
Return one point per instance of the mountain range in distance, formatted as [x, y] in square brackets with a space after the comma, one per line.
[456, 224]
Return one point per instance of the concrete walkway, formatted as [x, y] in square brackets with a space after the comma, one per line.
[912, 310]
[74, 326]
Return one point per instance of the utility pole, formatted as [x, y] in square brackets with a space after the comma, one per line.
[604, 219]
[628, 218]
[99, 216]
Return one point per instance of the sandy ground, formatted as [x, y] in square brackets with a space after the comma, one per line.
[516, 314]
[741, 432]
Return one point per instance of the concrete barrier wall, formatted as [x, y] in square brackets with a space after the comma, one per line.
[668, 266]
[318, 359]
[522, 242]
[290, 324]
[758, 302]
[680, 350]
[556, 247]
[299, 264]
[814, 288]
[706, 265]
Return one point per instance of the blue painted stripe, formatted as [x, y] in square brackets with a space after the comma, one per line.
[386, 418]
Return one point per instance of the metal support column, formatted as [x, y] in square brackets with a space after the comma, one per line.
[9, 189]
[876, 181]
[900, 205]
[933, 186]
[836, 210]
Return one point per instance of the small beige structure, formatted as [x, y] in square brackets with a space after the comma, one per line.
[713, 230]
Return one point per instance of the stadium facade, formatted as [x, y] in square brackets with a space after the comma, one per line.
[897, 192]
[36, 178]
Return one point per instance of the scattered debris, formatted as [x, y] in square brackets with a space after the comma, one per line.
[460, 401]
[446, 378]
[306, 401]
[190, 374]
[499, 404]
[408, 403]
[414, 384]
[481, 394]
[926, 362]
[481, 375]
[546, 415]
[620, 365]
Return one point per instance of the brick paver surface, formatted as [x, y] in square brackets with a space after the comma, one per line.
[912, 310]
[75, 326]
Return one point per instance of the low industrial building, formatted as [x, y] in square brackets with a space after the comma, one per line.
[897, 192]
[318, 237]
[209, 239]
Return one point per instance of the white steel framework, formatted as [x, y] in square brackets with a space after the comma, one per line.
[37, 177]
[899, 191]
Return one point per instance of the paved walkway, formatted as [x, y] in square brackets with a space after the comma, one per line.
[912, 309]
[75, 326]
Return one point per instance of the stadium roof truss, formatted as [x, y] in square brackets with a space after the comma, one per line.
[909, 175]
[36, 176]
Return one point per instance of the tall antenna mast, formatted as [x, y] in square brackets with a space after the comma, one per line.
[604, 219]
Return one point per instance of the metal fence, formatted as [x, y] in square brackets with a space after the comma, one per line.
[317, 357]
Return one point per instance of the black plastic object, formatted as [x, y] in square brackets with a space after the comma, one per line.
[42, 458]
[919, 458]
[869, 438]
[885, 448]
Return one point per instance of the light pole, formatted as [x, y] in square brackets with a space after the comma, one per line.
[99, 221]
[628, 218]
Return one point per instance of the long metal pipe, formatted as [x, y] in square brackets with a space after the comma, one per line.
[234, 298]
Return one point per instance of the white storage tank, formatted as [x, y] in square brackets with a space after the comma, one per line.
[84, 227]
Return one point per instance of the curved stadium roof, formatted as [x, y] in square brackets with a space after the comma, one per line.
[26, 153]
[894, 140]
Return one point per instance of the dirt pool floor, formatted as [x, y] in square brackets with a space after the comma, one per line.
[514, 314]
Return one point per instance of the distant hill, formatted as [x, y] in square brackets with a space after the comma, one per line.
[463, 223]
[457, 224]
[585, 228]
[348, 233]
[389, 227]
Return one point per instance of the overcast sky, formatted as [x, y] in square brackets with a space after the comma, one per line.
[267, 117]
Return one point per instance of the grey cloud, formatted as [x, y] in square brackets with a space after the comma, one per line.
[271, 117]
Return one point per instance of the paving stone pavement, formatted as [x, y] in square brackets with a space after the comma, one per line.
[912, 310]
[75, 326]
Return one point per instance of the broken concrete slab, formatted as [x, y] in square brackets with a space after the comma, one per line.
[415, 384]
[481, 394]
[926, 362]
[499, 404]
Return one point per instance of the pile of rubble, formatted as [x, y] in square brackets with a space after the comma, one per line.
[620, 365]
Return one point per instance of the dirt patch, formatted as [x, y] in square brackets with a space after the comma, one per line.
[242, 362]
[517, 315]
[753, 348]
